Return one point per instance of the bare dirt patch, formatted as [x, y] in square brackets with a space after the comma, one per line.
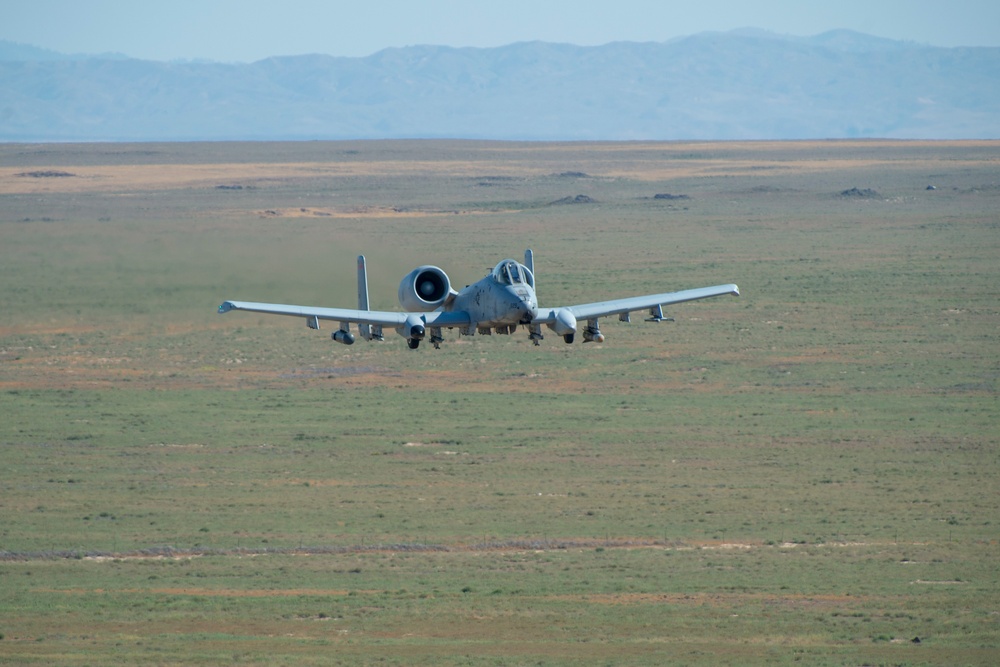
[359, 212]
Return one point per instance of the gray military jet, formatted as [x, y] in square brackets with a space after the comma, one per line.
[500, 302]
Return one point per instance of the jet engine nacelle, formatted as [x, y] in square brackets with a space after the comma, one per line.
[424, 288]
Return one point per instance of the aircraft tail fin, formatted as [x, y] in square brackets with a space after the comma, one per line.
[367, 331]
[529, 260]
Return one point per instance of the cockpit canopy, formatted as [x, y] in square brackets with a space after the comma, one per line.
[510, 272]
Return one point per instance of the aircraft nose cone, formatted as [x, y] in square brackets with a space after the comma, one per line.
[528, 311]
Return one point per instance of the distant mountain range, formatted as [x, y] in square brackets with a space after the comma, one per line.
[712, 86]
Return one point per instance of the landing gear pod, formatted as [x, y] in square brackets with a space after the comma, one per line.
[413, 331]
[565, 324]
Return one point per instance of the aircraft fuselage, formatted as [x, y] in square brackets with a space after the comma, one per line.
[493, 302]
[505, 297]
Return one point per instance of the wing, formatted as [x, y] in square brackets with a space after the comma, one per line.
[373, 317]
[635, 303]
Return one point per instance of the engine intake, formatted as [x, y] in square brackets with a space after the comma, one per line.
[424, 288]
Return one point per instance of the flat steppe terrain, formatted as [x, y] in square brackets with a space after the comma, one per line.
[807, 473]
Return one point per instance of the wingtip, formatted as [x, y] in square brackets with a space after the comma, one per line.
[736, 290]
[225, 307]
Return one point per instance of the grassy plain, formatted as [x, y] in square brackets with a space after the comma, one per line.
[809, 473]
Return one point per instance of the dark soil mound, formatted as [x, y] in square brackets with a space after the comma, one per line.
[579, 199]
[49, 173]
[866, 193]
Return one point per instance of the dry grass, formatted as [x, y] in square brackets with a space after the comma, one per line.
[699, 492]
[639, 161]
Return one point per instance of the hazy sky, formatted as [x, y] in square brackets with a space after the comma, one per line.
[248, 30]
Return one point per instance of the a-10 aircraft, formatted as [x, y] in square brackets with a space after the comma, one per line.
[500, 302]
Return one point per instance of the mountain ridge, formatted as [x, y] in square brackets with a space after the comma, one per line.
[713, 86]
